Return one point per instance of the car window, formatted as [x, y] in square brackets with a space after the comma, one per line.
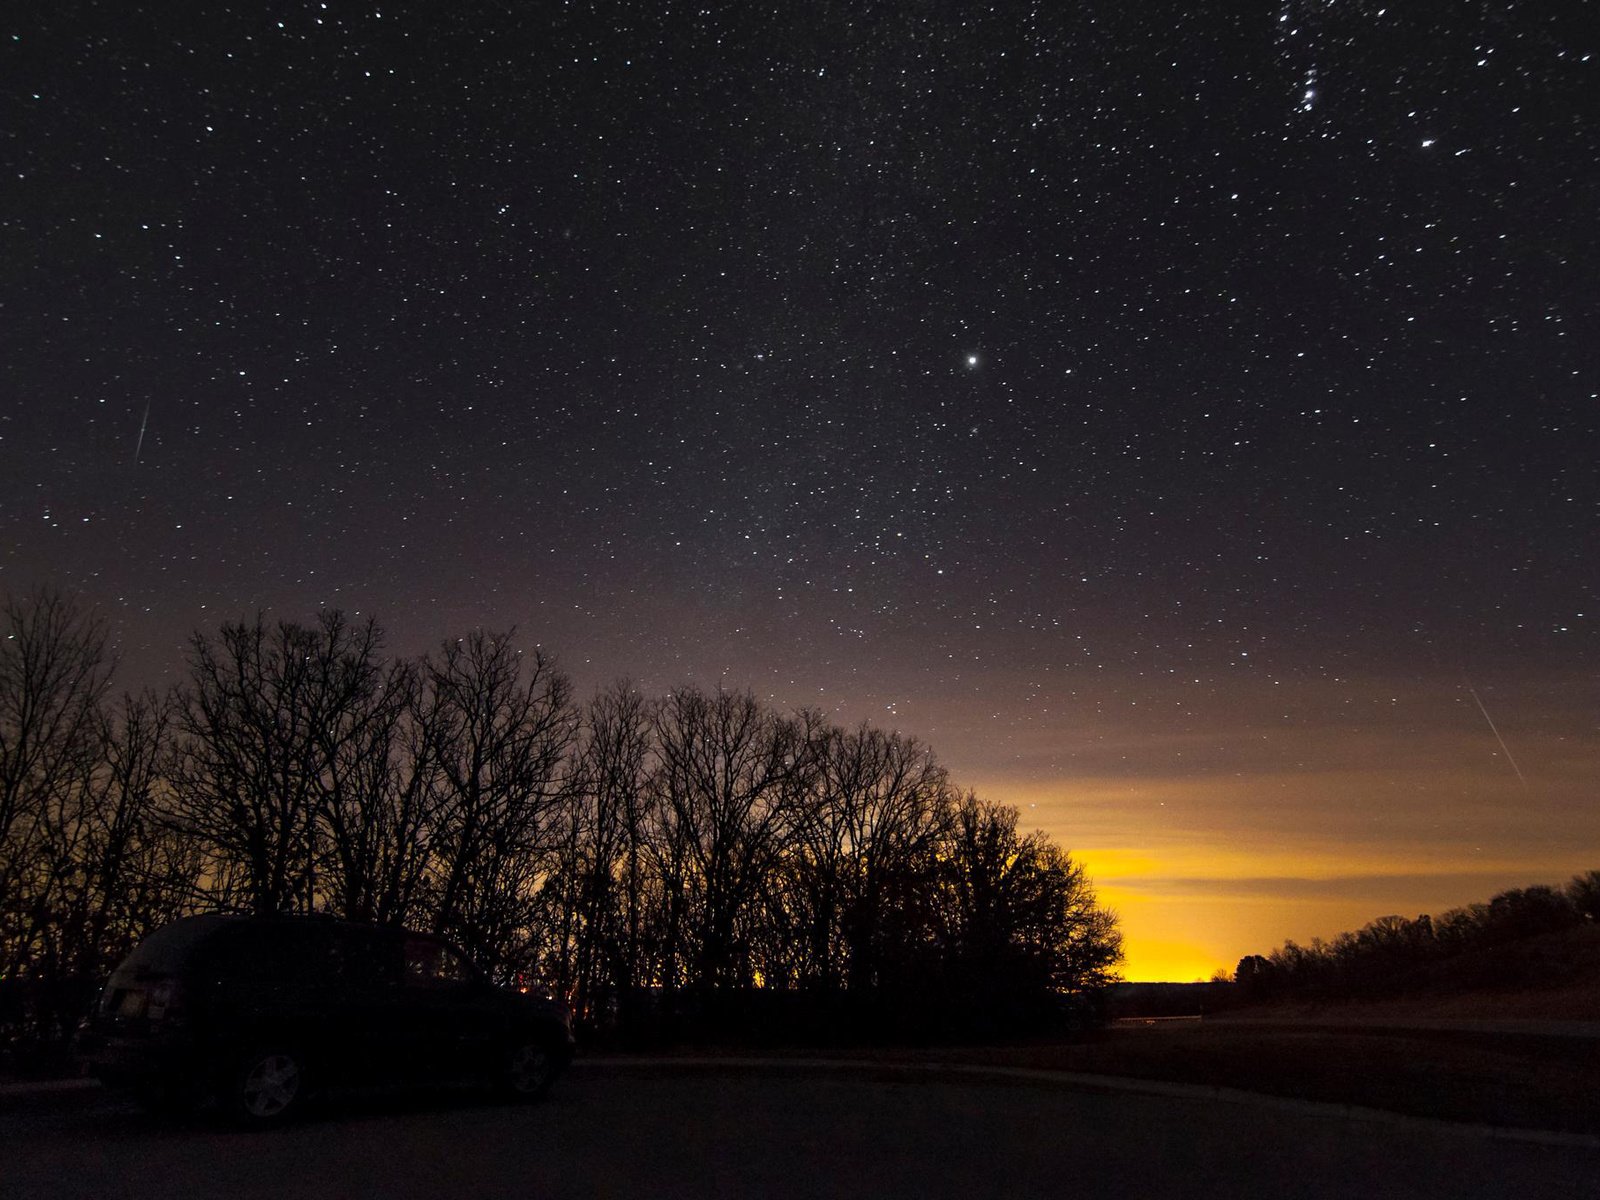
[171, 948]
[433, 964]
[367, 959]
[271, 954]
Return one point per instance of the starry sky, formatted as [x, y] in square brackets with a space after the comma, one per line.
[1181, 415]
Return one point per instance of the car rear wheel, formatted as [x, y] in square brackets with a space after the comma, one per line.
[269, 1086]
[529, 1069]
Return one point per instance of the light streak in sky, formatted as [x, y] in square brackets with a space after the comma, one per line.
[1473, 692]
[143, 421]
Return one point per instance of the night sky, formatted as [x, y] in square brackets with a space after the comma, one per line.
[1183, 416]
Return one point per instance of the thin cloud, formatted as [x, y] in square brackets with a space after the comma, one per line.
[1410, 890]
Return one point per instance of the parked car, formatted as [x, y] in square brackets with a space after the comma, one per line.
[260, 1012]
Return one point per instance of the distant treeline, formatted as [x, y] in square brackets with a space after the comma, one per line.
[696, 856]
[1464, 948]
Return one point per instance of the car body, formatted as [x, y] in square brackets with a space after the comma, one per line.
[259, 1012]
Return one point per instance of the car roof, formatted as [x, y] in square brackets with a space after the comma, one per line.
[173, 946]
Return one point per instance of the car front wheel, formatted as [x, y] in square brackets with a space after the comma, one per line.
[529, 1070]
[269, 1086]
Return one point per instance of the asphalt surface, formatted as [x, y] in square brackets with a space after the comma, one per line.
[1585, 1030]
[756, 1132]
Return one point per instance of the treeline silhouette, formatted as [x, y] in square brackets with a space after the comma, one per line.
[1496, 944]
[693, 863]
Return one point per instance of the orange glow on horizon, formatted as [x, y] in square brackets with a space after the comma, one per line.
[1188, 912]
[1230, 834]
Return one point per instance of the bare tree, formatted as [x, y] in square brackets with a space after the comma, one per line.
[731, 778]
[500, 724]
[703, 840]
[108, 872]
[1583, 890]
[147, 876]
[604, 857]
[881, 805]
[54, 670]
[377, 793]
[84, 870]
[263, 721]
[1021, 919]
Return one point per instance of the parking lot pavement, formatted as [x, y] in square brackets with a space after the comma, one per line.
[739, 1133]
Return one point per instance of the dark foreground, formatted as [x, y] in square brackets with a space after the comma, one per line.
[609, 1131]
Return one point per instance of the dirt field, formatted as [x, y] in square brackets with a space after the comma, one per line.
[1574, 1002]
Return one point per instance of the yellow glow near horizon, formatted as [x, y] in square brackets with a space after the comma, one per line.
[1190, 912]
[1291, 808]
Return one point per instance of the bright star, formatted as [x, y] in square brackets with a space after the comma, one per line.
[972, 360]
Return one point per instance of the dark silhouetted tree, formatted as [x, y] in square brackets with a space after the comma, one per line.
[878, 809]
[1021, 920]
[54, 670]
[1583, 893]
[1254, 976]
[262, 722]
[628, 851]
[606, 855]
[500, 724]
[85, 871]
[377, 791]
[1526, 912]
[730, 779]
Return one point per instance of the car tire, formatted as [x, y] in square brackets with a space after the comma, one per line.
[267, 1087]
[528, 1068]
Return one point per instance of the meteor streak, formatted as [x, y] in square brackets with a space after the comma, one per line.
[143, 421]
[1473, 692]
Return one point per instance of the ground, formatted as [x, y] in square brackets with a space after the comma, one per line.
[777, 1131]
[1528, 1075]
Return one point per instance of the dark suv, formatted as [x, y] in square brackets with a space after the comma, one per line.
[259, 1011]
